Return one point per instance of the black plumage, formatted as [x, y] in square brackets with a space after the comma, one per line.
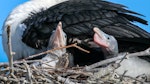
[80, 16]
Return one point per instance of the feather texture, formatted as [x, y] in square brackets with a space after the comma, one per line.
[33, 22]
[79, 17]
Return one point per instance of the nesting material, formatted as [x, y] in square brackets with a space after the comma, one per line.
[25, 72]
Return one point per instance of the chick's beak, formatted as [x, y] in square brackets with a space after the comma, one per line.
[59, 38]
[99, 38]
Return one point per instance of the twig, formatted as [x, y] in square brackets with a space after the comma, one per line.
[28, 71]
[48, 51]
[141, 82]
[10, 49]
[15, 69]
[142, 53]
[125, 56]
[122, 76]
[27, 61]
[65, 80]
[19, 62]
[81, 48]
[10, 79]
[34, 79]
[68, 71]
[119, 57]
[10, 52]
[44, 74]
[5, 64]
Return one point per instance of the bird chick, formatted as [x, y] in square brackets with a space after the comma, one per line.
[57, 40]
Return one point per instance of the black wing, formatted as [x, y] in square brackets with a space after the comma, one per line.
[79, 17]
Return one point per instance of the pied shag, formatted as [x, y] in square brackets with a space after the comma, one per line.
[32, 23]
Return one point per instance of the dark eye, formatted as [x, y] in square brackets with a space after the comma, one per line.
[108, 38]
[65, 36]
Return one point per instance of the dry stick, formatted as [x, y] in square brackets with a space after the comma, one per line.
[119, 57]
[78, 47]
[71, 71]
[45, 75]
[48, 51]
[49, 77]
[9, 79]
[141, 82]
[36, 82]
[5, 64]
[88, 68]
[27, 61]
[19, 62]
[141, 53]
[28, 71]
[65, 80]
[2, 78]
[15, 69]
[10, 51]
[122, 76]
[10, 48]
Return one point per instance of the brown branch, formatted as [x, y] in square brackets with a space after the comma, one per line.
[81, 49]
[48, 51]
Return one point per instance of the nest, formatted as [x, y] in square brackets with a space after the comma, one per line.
[24, 71]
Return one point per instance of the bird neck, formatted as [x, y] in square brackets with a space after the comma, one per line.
[58, 53]
[110, 52]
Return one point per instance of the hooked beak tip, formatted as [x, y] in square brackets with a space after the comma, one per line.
[97, 31]
[99, 38]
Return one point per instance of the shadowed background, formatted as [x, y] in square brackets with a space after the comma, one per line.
[139, 6]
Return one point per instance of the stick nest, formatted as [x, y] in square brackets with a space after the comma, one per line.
[102, 72]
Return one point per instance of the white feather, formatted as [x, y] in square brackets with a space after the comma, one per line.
[14, 20]
[134, 66]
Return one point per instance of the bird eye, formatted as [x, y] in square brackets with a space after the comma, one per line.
[65, 36]
[108, 38]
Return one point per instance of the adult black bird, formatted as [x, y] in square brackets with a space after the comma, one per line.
[32, 23]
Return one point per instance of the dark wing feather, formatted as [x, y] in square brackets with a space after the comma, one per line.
[79, 17]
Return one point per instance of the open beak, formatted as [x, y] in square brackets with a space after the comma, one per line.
[59, 31]
[59, 39]
[99, 38]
